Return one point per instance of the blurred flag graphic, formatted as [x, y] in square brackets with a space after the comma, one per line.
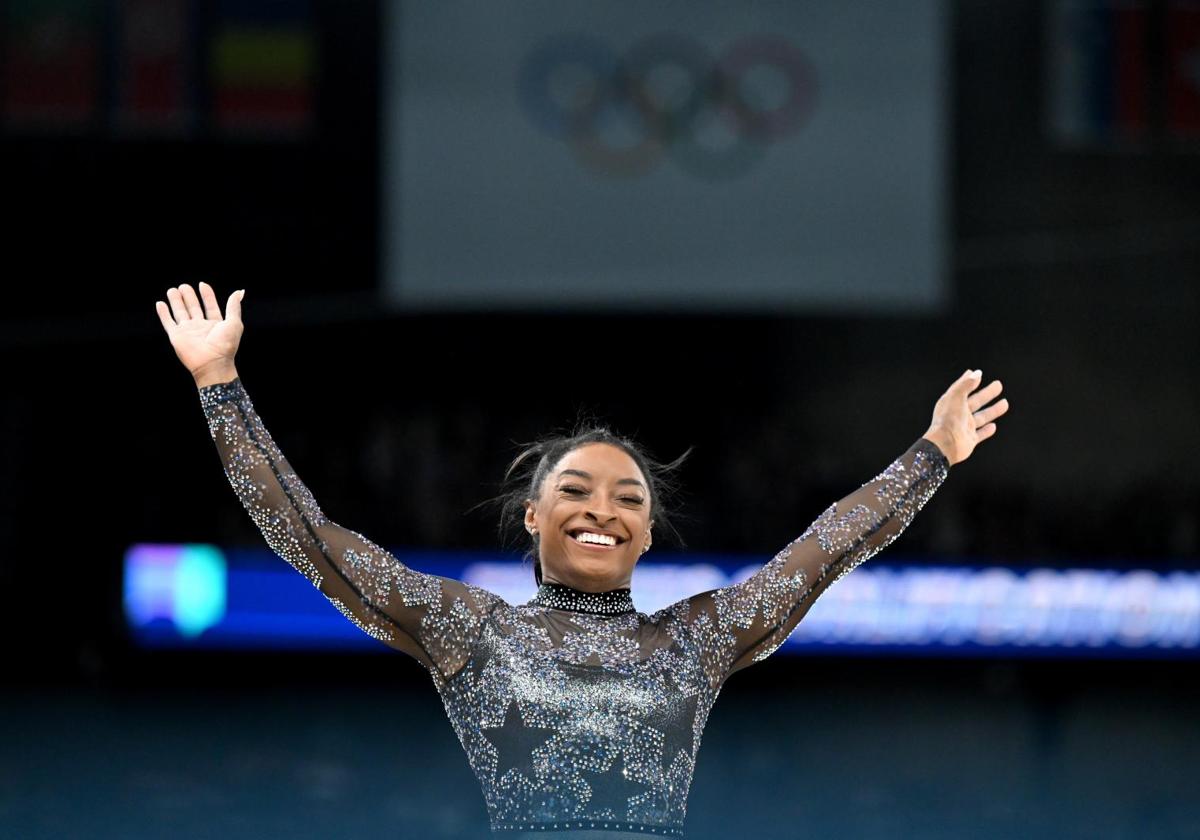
[51, 68]
[153, 85]
[1098, 71]
[1183, 69]
[262, 66]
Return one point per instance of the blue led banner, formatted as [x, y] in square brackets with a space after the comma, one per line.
[197, 596]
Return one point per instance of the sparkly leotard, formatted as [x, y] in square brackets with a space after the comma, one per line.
[578, 714]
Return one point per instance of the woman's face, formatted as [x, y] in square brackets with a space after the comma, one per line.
[597, 490]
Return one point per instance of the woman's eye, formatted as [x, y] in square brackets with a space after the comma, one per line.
[575, 490]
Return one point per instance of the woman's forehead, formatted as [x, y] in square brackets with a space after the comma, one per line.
[599, 461]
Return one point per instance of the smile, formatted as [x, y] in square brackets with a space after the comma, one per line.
[594, 539]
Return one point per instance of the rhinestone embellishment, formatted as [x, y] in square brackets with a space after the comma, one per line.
[580, 721]
[557, 596]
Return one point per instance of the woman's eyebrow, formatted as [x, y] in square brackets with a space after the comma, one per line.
[588, 476]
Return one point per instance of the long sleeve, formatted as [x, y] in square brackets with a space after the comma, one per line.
[432, 618]
[737, 625]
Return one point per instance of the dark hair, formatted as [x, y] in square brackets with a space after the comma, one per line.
[528, 470]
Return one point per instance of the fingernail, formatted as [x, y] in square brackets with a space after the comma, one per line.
[977, 374]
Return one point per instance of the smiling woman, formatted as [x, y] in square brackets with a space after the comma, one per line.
[579, 715]
[594, 492]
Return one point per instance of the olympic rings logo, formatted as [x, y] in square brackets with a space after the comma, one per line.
[666, 95]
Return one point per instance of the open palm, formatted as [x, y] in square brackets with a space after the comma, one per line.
[200, 336]
[963, 418]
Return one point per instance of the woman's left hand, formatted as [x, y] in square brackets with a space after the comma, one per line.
[962, 418]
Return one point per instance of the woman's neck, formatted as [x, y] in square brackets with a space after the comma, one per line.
[559, 596]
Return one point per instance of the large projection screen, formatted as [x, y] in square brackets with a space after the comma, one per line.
[754, 157]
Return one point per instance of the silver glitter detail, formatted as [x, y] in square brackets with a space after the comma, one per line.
[556, 596]
[434, 619]
[575, 711]
[374, 630]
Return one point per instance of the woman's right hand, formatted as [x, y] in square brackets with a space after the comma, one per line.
[203, 340]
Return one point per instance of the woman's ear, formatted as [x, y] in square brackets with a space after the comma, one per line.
[530, 521]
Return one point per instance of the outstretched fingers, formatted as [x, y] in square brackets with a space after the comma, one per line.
[212, 309]
[191, 301]
[987, 415]
[967, 383]
[178, 308]
[985, 395]
[966, 414]
[233, 309]
[164, 315]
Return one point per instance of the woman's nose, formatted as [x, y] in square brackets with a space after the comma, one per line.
[601, 514]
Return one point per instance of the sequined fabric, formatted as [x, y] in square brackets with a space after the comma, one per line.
[556, 596]
[578, 714]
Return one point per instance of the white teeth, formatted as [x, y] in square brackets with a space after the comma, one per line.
[599, 539]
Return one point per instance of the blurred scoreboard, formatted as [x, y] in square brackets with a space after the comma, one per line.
[563, 155]
[200, 596]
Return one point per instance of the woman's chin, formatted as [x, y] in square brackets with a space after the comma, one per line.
[598, 572]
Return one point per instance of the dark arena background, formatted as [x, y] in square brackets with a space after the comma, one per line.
[774, 232]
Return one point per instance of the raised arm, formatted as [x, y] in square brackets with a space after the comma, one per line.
[433, 618]
[744, 623]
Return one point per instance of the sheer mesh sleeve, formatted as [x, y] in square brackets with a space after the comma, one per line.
[432, 618]
[737, 625]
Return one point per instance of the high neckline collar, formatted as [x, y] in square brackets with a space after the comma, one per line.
[558, 596]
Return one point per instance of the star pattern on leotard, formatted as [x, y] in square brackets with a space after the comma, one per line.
[614, 735]
[676, 739]
[612, 789]
[514, 741]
